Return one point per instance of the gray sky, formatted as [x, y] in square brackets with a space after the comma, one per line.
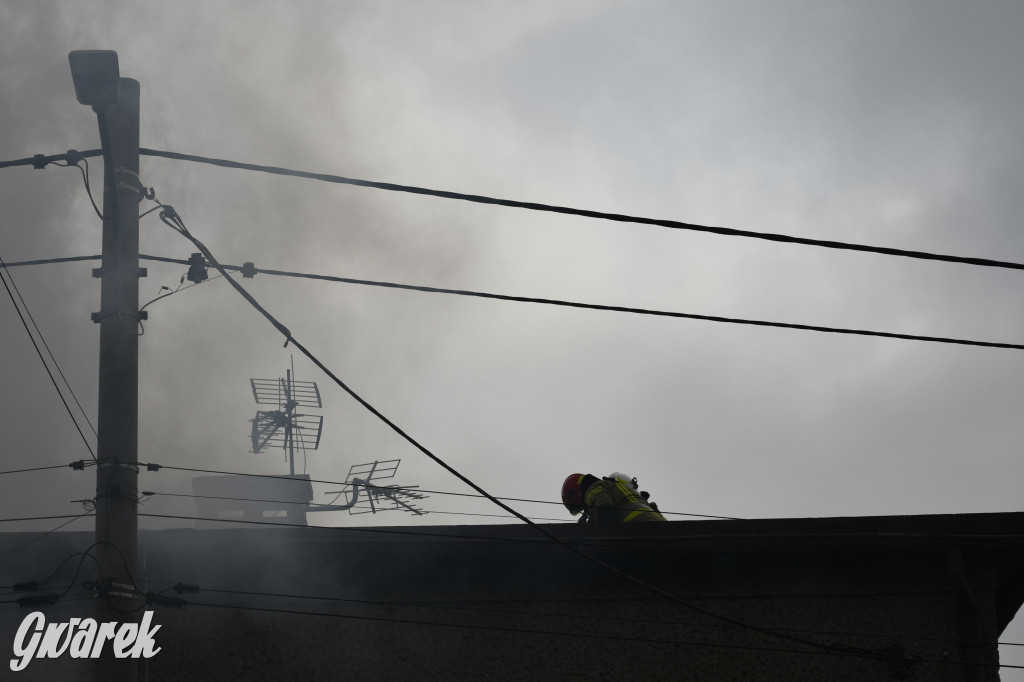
[886, 123]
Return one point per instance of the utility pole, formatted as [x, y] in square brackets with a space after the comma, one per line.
[116, 103]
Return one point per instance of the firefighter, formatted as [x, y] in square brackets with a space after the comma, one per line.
[612, 499]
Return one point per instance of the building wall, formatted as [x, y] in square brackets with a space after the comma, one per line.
[518, 607]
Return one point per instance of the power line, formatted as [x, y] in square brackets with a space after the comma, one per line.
[35, 345]
[43, 535]
[607, 600]
[40, 161]
[173, 220]
[45, 518]
[805, 525]
[340, 507]
[625, 309]
[534, 206]
[45, 261]
[73, 162]
[49, 352]
[624, 543]
[565, 210]
[571, 304]
[576, 616]
[590, 635]
[809, 525]
[516, 630]
[385, 530]
[46, 468]
[155, 467]
[543, 207]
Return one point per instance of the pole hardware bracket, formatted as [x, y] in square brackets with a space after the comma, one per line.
[116, 463]
[136, 186]
[141, 272]
[141, 315]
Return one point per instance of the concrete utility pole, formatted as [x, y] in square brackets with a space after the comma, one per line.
[116, 102]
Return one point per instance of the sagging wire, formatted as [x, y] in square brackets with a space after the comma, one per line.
[4, 277]
[102, 585]
[171, 218]
[23, 545]
[170, 292]
[74, 159]
[36, 601]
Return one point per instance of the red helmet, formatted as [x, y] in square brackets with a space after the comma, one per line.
[572, 493]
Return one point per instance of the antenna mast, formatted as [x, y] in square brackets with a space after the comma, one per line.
[284, 425]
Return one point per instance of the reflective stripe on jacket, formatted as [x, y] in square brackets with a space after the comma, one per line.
[614, 501]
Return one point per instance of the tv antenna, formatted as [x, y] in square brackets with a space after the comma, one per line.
[360, 480]
[284, 426]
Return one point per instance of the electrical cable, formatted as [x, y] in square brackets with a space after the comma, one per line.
[617, 217]
[496, 628]
[321, 506]
[154, 466]
[35, 345]
[101, 582]
[43, 535]
[589, 635]
[40, 161]
[632, 544]
[45, 261]
[573, 304]
[53, 359]
[179, 289]
[575, 601]
[44, 518]
[639, 311]
[85, 179]
[24, 590]
[802, 525]
[46, 468]
[565, 210]
[88, 188]
[170, 217]
[533, 206]
[575, 616]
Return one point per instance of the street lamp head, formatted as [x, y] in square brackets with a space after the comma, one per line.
[96, 76]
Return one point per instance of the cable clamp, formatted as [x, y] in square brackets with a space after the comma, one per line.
[109, 588]
[78, 465]
[74, 157]
[39, 162]
[139, 188]
[248, 270]
[141, 272]
[114, 462]
[152, 467]
[97, 317]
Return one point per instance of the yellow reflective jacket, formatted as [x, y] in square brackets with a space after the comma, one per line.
[613, 501]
